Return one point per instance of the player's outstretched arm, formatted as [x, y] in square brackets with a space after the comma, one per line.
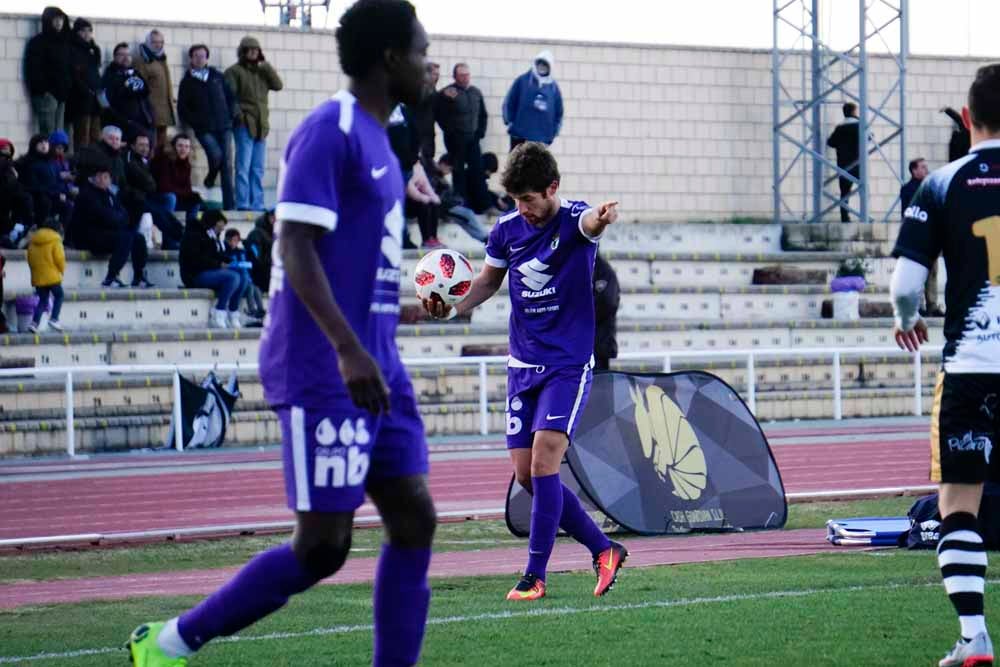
[483, 287]
[908, 280]
[305, 275]
[595, 220]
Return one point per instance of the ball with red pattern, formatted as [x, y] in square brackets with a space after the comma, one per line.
[443, 274]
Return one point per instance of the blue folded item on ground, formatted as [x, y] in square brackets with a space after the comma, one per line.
[867, 531]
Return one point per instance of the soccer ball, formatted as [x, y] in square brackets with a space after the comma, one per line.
[444, 275]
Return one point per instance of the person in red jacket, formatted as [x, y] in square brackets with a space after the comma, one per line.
[172, 171]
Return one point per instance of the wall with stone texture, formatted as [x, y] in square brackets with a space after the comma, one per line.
[674, 133]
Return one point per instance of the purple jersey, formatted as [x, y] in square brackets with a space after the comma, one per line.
[338, 173]
[551, 285]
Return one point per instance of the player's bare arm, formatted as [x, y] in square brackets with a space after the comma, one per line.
[597, 219]
[484, 285]
[306, 277]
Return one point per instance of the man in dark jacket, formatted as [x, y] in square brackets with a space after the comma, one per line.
[47, 71]
[206, 104]
[101, 225]
[461, 113]
[143, 197]
[16, 212]
[258, 245]
[846, 143]
[918, 172]
[203, 265]
[606, 300]
[127, 95]
[82, 110]
[533, 107]
[107, 152]
[423, 114]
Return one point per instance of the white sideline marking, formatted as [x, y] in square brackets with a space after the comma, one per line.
[504, 615]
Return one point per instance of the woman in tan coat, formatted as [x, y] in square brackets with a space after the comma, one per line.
[152, 65]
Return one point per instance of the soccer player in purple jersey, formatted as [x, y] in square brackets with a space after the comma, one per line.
[549, 245]
[329, 363]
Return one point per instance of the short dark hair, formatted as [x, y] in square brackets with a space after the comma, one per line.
[849, 109]
[232, 232]
[212, 217]
[490, 163]
[984, 98]
[530, 168]
[368, 28]
[195, 47]
[454, 70]
[177, 137]
[119, 45]
[914, 163]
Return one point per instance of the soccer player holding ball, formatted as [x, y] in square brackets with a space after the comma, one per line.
[549, 245]
[329, 363]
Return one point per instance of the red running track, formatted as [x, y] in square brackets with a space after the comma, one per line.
[189, 498]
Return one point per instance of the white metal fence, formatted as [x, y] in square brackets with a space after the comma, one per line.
[749, 357]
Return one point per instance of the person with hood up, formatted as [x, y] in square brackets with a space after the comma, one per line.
[16, 212]
[152, 66]
[47, 261]
[127, 95]
[82, 110]
[47, 71]
[40, 181]
[251, 79]
[533, 107]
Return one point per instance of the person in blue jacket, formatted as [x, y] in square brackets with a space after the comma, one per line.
[533, 107]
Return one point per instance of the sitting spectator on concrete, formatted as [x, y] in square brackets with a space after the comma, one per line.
[206, 104]
[127, 95]
[47, 71]
[203, 265]
[39, 180]
[106, 152]
[147, 199]
[16, 211]
[152, 67]
[533, 107]
[258, 245]
[453, 207]
[101, 225]
[47, 261]
[239, 262]
[173, 175]
[82, 109]
[607, 297]
[64, 173]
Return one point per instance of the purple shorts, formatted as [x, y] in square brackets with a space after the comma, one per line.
[541, 398]
[330, 453]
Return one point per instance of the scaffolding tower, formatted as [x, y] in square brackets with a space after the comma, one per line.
[807, 74]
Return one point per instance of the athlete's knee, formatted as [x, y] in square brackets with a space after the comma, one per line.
[322, 557]
[524, 479]
[547, 452]
[414, 526]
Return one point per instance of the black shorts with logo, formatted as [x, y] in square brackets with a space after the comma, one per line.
[965, 424]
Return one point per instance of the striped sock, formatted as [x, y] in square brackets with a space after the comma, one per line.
[962, 558]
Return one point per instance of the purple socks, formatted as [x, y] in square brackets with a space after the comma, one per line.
[578, 524]
[260, 588]
[402, 595]
[546, 510]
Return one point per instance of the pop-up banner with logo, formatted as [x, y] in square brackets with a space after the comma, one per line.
[668, 453]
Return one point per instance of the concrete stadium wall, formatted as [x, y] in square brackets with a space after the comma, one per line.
[675, 133]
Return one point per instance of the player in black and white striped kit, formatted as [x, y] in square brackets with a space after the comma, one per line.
[956, 213]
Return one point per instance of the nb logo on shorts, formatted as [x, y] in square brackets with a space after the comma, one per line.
[341, 467]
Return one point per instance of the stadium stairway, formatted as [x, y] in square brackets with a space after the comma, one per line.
[685, 287]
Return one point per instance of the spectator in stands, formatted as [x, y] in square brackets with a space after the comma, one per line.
[533, 107]
[918, 172]
[101, 225]
[47, 261]
[500, 201]
[47, 71]
[405, 142]
[461, 113]
[452, 206]
[251, 79]
[152, 67]
[258, 245]
[606, 300]
[144, 197]
[16, 213]
[127, 95]
[203, 265]
[206, 104]
[82, 109]
[846, 142]
[46, 186]
[423, 114]
[62, 170]
[239, 262]
[105, 152]
[961, 141]
[173, 175]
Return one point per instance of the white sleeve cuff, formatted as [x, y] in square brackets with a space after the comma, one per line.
[496, 263]
[579, 224]
[308, 213]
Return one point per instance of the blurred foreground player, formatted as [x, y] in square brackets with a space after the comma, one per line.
[549, 245]
[956, 212]
[328, 359]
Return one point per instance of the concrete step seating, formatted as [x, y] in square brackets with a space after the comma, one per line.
[130, 309]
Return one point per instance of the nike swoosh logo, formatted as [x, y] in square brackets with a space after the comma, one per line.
[610, 565]
[518, 249]
[554, 417]
[380, 172]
